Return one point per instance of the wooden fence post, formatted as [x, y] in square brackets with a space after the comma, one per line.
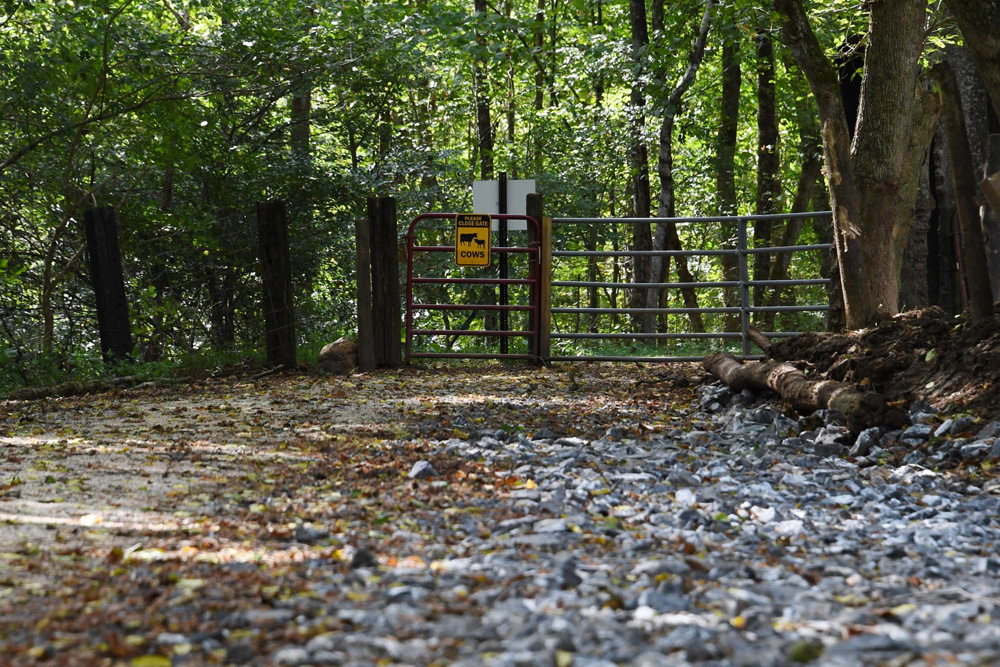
[545, 298]
[366, 333]
[533, 209]
[104, 259]
[386, 305]
[279, 318]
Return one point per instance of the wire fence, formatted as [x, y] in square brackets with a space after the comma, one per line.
[192, 287]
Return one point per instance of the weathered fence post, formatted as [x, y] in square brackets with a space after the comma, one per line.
[366, 333]
[104, 259]
[279, 318]
[545, 293]
[385, 281]
[533, 209]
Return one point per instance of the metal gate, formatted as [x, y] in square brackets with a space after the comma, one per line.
[534, 255]
[741, 251]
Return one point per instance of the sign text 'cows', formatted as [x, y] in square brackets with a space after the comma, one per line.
[472, 239]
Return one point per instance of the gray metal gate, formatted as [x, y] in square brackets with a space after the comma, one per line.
[741, 251]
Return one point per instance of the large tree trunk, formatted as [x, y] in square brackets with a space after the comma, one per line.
[927, 109]
[725, 175]
[666, 232]
[977, 273]
[768, 160]
[638, 156]
[866, 180]
[979, 21]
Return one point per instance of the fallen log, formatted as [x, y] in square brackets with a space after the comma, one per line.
[806, 395]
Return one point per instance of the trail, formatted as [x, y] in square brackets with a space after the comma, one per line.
[492, 515]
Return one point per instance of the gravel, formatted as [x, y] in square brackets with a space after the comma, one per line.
[749, 538]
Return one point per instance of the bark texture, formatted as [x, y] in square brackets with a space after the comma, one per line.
[638, 156]
[869, 177]
[666, 237]
[484, 129]
[862, 409]
[991, 216]
[979, 21]
[977, 273]
[768, 160]
[725, 177]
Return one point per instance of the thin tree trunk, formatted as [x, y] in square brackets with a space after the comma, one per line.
[913, 279]
[666, 232]
[638, 157]
[725, 178]
[593, 275]
[804, 192]
[963, 173]
[484, 130]
[538, 41]
[768, 160]
[300, 109]
[991, 217]
[946, 290]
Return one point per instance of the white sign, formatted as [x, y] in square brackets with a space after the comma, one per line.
[486, 199]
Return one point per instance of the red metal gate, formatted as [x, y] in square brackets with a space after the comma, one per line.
[533, 252]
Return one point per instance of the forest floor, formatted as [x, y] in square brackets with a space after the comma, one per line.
[576, 515]
[919, 355]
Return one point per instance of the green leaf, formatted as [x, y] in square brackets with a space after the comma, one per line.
[151, 660]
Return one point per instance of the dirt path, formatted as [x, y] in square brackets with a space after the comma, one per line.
[116, 506]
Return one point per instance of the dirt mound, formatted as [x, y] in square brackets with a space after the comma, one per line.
[918, 355]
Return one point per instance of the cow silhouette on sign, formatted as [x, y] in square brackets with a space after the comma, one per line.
[480, 242]
[467, 239]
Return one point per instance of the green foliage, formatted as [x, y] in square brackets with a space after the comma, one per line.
[179, 115]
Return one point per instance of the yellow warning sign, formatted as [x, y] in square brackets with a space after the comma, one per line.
[472, 239]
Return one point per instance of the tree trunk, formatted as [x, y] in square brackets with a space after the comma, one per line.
[866, 181]
[806, 188]
[638, 157]
[944, 290]
[593, 275]
[979, 21]
[963, 175]
[725, 175]
[768, 161]
[538, 43]
[913, 279]
[300, 108]
[809, 189]
[484, 130]
[927, 110]
[666, 232]
[991, 217]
